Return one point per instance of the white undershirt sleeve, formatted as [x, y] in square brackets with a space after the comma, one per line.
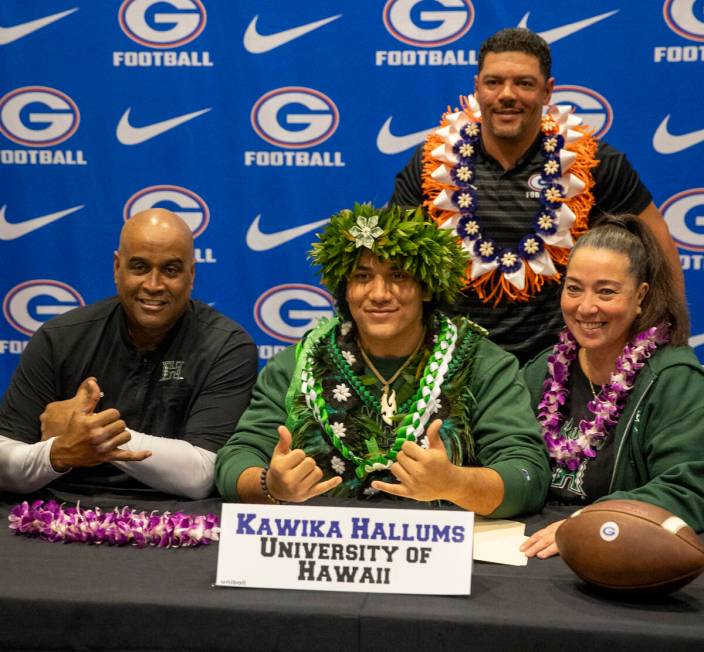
[24, 468]
[175, 467]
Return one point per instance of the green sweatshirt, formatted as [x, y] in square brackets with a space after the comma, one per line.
[506, 435]
[659, 439]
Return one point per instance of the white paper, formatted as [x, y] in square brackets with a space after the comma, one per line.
[498, 541]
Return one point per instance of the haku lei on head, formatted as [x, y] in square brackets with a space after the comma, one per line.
[431, 255]
[514, 273]
[119, 527]
[411, 428]
[606, 407]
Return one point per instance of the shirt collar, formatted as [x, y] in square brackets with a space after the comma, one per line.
[527, 156]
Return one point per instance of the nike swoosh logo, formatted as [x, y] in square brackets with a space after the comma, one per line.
[12, 231]
[390, 144]
[258, 241]
[666, 143]
[129, 135]
[557, 33]
[16, 32]
[257, 43]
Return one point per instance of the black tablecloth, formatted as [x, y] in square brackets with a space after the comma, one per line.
[77, 596]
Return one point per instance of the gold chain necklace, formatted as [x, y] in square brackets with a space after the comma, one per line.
[588, 374]
[388, 400]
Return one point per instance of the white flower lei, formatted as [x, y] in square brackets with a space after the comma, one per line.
[412, 428]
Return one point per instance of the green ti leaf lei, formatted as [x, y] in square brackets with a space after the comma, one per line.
[413, 424]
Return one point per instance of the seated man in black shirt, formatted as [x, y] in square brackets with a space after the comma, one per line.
[135, 392]
[519, 188]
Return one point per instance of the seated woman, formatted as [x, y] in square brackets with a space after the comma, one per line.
[392, 395]
[621, 397]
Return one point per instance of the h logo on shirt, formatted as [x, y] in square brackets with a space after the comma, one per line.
[171, 370]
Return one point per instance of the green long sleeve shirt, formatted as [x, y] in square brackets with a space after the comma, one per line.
[506, 434]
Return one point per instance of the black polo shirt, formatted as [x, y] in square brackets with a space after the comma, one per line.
[506, 206]
[194, 386]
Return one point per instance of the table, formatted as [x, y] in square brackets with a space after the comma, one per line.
[77, 596]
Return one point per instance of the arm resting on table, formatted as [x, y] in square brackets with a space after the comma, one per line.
[24, 468]
[175, 467]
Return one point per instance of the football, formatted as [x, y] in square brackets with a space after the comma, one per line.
[628, 545]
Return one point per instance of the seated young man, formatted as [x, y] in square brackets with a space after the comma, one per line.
[391, 395]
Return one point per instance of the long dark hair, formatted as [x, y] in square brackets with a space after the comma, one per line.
[629, 235]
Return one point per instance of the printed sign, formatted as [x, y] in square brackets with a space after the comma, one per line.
[346, 549]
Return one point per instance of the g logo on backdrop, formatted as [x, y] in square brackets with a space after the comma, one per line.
[185, 203]
[679, 16]
[188, 205]
[594, 109]
[294, 118]
[413, 23]
[161, 26]
[31, 303]
[39, 117]
[684, 214]
[146, 23]
[285, 312]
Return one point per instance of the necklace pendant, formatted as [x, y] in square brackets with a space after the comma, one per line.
[388, 405]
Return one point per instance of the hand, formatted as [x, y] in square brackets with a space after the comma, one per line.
[54, 420]
[293, 477]
[91, 439]
[423, 473]
[542, 544]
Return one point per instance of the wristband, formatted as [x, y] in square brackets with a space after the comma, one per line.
[265, 487]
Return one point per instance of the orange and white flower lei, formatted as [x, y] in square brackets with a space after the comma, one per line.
[515, 273]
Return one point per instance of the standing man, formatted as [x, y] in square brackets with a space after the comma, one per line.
[519, 188]
[139, 389]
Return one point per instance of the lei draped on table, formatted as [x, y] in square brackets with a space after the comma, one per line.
[335, 413]
[119, 527]
[518, 272]
[606, 406]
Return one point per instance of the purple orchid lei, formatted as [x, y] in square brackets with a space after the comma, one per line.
[120, 527]
[606, 407]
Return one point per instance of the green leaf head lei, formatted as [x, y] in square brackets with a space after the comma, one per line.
[433, 256]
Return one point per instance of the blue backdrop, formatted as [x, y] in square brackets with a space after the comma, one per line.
[255, 120]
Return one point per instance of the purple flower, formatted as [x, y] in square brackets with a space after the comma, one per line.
[119, 527]
[606, 407]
